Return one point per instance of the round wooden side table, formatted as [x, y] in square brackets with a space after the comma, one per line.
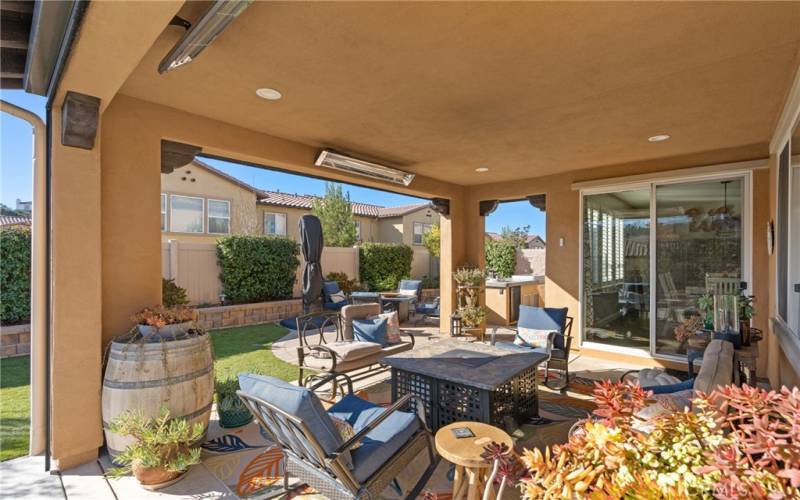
[465, 453]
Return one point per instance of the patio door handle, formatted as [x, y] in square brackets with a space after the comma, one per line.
[797, 288]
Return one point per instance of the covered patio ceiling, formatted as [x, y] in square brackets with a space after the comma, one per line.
[526, 89]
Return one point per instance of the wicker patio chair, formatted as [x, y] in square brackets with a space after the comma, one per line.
[314, 452]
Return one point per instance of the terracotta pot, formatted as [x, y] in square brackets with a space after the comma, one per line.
[154, 478]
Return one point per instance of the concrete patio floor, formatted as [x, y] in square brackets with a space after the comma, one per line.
[25, 477]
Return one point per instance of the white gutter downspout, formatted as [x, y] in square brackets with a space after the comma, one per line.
[38, 286]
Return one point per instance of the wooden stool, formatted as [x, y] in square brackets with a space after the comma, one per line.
[471, 470]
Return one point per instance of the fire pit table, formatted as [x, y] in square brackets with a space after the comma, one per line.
[458, 381]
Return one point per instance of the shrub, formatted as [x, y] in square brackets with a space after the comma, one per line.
[430, 282]
[739, 442]
[171, 294]
[501, 257]
[15, 275]
[383, 265]
[257, 268]
[345, 283]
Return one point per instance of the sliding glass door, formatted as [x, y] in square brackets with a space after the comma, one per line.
[649, 253]
[698, 249]
[616, 279]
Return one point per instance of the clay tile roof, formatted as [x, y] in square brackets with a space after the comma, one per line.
[363, 209]
[11, 220]
[306, 201]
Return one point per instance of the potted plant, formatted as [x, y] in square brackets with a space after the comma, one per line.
[472, 316]
[231, 409]
[706, 305]
[746, 313]
[162, 450]
[164, 321]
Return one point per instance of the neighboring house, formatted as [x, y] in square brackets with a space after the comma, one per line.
[13, 220]
[199, 203]
[533, 241]
[24, 206]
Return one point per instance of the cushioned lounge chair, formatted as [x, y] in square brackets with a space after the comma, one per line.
[314, 450]
[429, 310]
[546, 319]
[330, 288]
[336, 350]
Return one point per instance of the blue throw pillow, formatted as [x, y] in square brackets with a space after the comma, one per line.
[370, 330]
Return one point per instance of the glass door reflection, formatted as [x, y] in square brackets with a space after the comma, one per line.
[616, 281]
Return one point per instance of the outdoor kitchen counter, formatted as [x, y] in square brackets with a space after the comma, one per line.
[503, 298]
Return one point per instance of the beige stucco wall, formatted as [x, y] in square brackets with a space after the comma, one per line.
[194, 180]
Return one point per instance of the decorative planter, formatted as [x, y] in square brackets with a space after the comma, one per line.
[166, 331]
[155, 478]
[141, 375]
[236, 417]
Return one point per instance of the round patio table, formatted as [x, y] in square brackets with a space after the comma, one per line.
[471, 471]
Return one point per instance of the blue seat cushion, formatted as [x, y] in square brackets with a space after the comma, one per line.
[370, 330]
[335, 306]
[382, 442]
[329, 288]
[670, 388]
[430, 308]
[544, 318]
[299, 402]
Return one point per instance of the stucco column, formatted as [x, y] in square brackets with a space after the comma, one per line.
[131, 217]
[77, 305]
[461, 244]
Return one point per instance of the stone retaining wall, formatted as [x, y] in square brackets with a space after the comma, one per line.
[15, 341]
[248, 314]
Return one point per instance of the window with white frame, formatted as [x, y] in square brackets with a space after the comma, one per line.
[420, 229]
[787, 233]
[275, 224]
[219, 216]
[163, 211]
[358, 230]
[185, 214]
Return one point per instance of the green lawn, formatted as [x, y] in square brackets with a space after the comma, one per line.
[247, 349]
[236, 350]
[15, 409]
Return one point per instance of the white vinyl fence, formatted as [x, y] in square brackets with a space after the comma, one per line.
[194, 267]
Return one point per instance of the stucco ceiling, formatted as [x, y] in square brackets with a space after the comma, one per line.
[526, 89]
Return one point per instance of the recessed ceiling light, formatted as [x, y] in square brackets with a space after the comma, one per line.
[269, 94]
[659, 138]
[482, 169]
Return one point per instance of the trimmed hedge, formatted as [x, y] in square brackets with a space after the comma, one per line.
[501, 257]
[15, 275]
[383, 265]
[257, 268]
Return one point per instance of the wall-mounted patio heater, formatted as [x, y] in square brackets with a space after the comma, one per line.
[203, 32]
[338, 161]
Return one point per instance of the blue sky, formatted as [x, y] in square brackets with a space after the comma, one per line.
[16, 182]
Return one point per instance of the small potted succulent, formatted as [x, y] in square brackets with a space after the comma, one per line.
[746, 313]
[162, 450]
[232, 411]
[706, 305]
[164, 321]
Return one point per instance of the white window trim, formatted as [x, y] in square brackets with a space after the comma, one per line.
[209, 216]
[624, 184]
[202, 219]
[165, 212]
[422, 235]
[285, 223]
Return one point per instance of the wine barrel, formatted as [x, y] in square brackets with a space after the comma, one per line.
[177, 374]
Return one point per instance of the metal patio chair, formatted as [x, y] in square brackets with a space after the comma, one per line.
[314, 451]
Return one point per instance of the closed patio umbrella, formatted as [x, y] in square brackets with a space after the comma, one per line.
[311, 244]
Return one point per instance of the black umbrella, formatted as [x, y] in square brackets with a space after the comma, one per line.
[311, 244]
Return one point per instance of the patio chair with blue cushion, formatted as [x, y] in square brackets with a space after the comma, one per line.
[383, 443]
[428, 310]
[544, 329]
[335, 298]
